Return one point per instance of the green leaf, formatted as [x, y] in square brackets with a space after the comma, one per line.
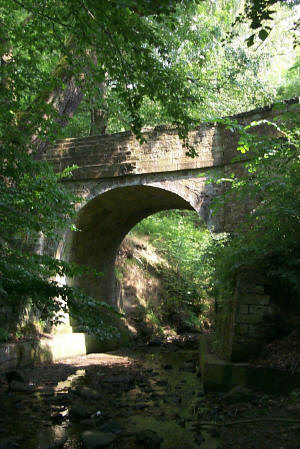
[250, 40]
[263, 34]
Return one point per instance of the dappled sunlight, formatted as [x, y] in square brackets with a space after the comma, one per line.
[163, 273]
[96, 360]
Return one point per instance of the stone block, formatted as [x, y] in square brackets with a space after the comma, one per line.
[252, 278]
[243, 308]
[271, 311]
[242, 329]
[218, 375]
[24, 354]
[258, 310]
[249, 319]
[250, 288]
[254, 330]
[255, 299]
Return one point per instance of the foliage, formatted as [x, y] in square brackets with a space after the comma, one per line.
[291, 86]
[120, 43]
[267, 239]
[4, 335]
[260, 15]
[183, 242]
[223, 76]
[153, 320]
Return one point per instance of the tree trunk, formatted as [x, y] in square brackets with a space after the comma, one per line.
[65, 102]
[99, 121]
[99, 110]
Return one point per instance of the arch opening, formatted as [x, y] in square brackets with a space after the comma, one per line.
[103, 223]
[163, 275]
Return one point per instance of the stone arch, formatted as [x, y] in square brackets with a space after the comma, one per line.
[105, 220]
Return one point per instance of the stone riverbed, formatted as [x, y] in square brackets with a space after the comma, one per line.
[146, 397]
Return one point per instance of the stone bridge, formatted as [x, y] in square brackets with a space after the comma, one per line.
[122, 181]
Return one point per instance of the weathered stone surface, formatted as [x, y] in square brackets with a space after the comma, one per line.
[238, 394]
[258, 310]
[22, 387]
[80, 410]
[88, 393]
[249, 288]
[96, 440]
[255, 299]
[117, 154]
[54, 347]
[243, 308]
[242, 329]
[249, 319]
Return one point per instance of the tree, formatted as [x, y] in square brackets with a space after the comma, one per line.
[225, 76]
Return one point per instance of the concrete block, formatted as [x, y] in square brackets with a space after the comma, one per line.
[64, 345]
[23, 354]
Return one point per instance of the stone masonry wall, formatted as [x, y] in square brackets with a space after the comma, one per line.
[255, 316]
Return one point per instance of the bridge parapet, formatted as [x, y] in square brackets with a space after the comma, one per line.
[122, 154]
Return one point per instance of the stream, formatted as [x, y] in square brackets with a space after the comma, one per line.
[144, 397]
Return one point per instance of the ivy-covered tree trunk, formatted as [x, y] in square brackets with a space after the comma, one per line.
[65, 102]
[98, 104]
[99, 116]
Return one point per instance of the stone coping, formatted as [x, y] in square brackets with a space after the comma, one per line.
[166, 127]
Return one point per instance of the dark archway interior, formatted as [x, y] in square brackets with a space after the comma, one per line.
[103, 224]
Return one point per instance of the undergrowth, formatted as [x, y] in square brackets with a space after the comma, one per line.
[182, 240]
